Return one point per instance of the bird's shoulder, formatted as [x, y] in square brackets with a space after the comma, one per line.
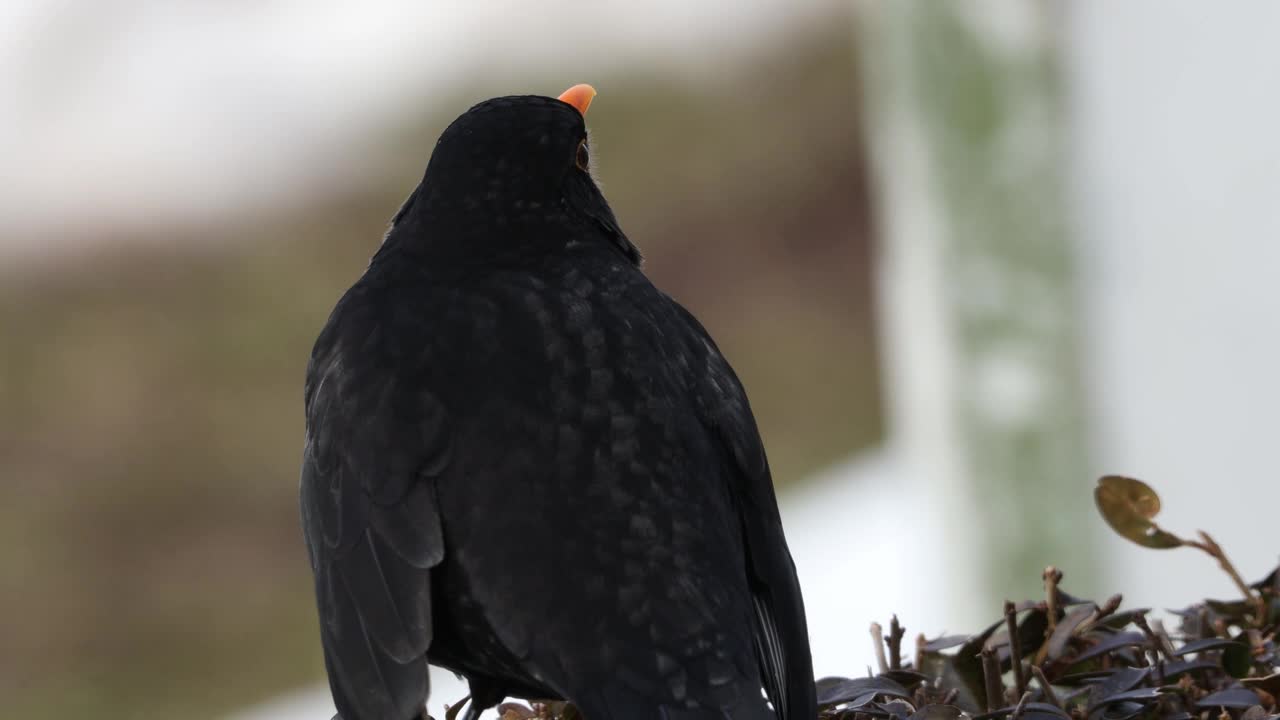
[717, 389]
[364, 376]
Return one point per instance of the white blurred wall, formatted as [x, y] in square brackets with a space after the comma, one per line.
[1176, 131]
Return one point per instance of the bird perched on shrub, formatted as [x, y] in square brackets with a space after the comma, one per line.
[528, 465]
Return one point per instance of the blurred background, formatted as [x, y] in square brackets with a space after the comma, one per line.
[966, 257]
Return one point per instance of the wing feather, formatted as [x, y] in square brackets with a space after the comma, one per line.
[780, 631]
[372, 456]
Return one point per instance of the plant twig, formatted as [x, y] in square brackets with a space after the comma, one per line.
[1256, 643]
[1211, 546]
[1156, 643]
[896, 631]
[1203, 624]
[1021, 706]
[877, 639]
[1046, 686]
[1015, 646]
[991, 679]
[1052, 576]
[1166, 642]
[1102, 612]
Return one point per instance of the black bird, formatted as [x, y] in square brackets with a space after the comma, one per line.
[528, 465]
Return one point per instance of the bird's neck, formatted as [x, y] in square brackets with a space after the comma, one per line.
[478, 238]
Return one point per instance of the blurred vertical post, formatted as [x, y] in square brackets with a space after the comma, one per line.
[978, 314]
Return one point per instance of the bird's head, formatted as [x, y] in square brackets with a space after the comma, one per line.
[509, 170]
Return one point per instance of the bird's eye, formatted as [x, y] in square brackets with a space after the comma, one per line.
[583, 160]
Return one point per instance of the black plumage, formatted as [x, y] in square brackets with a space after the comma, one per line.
[528, 465]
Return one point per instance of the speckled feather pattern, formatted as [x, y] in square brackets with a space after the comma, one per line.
[525, 463]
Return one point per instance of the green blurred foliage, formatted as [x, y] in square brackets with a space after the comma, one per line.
[150, 399]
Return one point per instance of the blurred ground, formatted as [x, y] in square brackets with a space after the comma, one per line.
[150, 409]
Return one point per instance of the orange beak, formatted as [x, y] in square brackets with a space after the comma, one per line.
[579, 96]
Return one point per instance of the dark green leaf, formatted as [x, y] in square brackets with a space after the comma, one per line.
[1079, 678]
[1043, 711]
[1270, 582]
[1137, 694]
[1119, 681]
[1030, 634]
[1197, 646]
[834, 691]
[959, 673]
[1032, 629]
[937, 712]
[1181, 667]
[1236, 660]
[975, 643]
[945, 642]
[1124, 617]
[1118, 711]
[1077, 697]
[1066, 629]
[1112, 642]
[1234, 610]
[1235, 698]
[823, 684]
[906, 678]
[968, 667]
[864, 701]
